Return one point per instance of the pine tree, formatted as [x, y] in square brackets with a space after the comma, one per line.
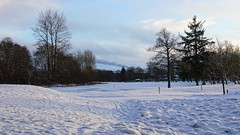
[194, 47]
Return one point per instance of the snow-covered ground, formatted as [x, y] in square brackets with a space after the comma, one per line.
[120, 108]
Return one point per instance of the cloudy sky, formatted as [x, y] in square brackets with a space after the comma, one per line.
[119, 31]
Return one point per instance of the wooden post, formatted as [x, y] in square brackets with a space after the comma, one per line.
[159, 90]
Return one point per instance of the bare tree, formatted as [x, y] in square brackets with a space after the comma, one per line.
[89, 59]
[52, 36]
[80, 59]
[220, 65]
[87, 64]
[165, 49]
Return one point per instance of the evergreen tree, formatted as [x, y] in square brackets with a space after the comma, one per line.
[194, 46]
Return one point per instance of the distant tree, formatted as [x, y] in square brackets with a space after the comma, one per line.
[53, 37]
[15, 62]
[133, 73]
[194, 46]
[87, 64]
[90, 65]
[165, 49]
[139, 73]
[89, 59]
[123, 75]
[105, 75]
[79, 56]
[155, 71]
[130, 74]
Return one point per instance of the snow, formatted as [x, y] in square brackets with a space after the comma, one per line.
[120, 108]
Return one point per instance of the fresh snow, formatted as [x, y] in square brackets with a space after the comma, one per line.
[120, 108]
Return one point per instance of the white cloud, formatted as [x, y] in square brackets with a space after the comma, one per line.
[171, 24]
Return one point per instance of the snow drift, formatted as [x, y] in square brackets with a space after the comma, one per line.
[119, 108]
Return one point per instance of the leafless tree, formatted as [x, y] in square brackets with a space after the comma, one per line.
[165, 49]
[89, 59]
[80, 59]
[52, 36]
[87, 63]
[220, 65]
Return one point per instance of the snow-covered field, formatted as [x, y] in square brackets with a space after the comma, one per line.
[120, 108]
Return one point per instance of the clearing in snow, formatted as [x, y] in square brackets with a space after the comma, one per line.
[120, 108]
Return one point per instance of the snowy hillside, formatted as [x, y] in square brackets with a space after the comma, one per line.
[120, 108]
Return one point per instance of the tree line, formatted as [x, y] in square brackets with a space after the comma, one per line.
[194, 57]
[50, 63]
[129, 74]
[18, 66]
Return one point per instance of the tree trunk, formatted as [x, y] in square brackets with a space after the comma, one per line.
[29, 77]
[168, 69]
[223, 85]
[196, 80]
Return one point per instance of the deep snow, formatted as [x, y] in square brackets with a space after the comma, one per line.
[120, 108]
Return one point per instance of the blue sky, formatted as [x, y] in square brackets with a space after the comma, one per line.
[120, 31]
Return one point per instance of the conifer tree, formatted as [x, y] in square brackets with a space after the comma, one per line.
[194, 46]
